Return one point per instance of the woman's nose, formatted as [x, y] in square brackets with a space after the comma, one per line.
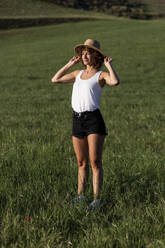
[85, 55]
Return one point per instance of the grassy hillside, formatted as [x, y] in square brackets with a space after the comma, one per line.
[21, 13]
[38, 166]
[37, 8]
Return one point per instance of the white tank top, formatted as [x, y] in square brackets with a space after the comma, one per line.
[86, 93]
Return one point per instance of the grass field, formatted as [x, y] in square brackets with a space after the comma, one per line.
[38, 171]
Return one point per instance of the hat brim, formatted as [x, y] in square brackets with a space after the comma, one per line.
[78, 49]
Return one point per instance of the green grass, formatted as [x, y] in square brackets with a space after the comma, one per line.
[38, 171]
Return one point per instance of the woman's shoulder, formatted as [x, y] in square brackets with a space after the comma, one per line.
[103, 74]
[76, 72]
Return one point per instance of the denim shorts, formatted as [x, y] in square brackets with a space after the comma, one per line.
[88, 122]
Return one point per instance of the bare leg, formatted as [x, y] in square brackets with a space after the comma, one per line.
[95, 143]
[81, 151]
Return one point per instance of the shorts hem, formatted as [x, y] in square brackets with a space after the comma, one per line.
[85, 136]
[102, 134]
[79, 137]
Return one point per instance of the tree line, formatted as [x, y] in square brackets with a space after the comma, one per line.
[129, 8]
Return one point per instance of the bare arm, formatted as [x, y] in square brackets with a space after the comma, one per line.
[62, 77]
[110, 77]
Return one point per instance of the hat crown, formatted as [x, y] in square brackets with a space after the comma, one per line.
[93, 43]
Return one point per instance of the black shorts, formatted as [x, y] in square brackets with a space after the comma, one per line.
[88, 122]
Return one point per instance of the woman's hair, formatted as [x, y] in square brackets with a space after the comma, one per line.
[97, 58]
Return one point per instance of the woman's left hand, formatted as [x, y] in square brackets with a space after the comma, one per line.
[107, 61]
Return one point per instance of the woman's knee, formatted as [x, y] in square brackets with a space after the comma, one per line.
[96, 164]
[82, 163]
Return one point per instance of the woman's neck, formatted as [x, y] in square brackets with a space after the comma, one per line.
[90, 69]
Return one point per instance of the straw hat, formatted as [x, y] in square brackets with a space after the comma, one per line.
[94, 44]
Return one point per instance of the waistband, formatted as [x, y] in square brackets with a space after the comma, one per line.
[82, 114]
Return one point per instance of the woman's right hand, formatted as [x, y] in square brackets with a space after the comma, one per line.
[74, 60]
[61, 76]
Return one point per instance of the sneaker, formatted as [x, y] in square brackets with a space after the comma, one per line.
[95, 204]
[78, 199]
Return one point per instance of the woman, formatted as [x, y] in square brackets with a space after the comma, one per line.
[88, 125]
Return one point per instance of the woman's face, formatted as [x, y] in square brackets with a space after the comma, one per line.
[86, 57]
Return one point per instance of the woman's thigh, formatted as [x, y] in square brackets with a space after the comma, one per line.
[81, 149]
[95, 143]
